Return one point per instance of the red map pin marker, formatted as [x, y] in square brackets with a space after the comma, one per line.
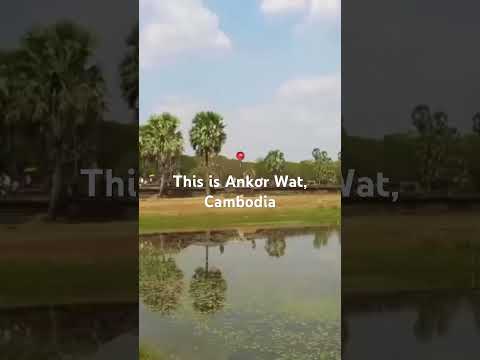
[240, 155]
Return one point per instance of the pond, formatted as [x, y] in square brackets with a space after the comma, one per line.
[440, 325]
[261, 295]
[77, 332]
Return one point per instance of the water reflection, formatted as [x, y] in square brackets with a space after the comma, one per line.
[208, 287]
[276, 245]
[437, 325]
[160, 280]
[264, 294]
[65, 332]
[322, 238]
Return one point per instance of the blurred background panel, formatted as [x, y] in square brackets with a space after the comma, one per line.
[410, 268]
[68, 102]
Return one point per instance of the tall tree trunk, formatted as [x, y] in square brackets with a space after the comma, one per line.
[207, 174]
[56, 189]
[162, 185]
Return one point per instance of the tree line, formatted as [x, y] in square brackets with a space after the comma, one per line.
[161, 154]
[53, 101]
[434, 154]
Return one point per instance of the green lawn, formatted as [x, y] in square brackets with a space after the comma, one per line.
[37, 283]
[151, 223]
[383, 253]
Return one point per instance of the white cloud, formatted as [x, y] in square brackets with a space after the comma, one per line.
[324, 8]
[314, 9]
[328, 85]
[282, 6]
[304, 113]
[173, 27]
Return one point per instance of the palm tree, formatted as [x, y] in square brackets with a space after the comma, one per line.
[129, 72]
[320, 156]
[275, 162]
[207, 137]
[162, 143]
[325, 170]
[435, 137]
[62, 91]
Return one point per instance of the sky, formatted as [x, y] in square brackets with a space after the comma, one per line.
[271, 68]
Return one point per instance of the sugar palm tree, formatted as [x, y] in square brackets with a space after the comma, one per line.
[129, 72]
[275, 162]
[62, 91]
[207, 137]
[162, 143]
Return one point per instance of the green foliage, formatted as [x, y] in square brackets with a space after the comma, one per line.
[275, 162]
[160, 139]
[161, 143]
[326, 170]
[52, 100]
[207, 137]
[61, 88]
[62, 93]
[207, 134]
[434, 139]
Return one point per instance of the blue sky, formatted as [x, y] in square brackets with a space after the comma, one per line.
[270, 67]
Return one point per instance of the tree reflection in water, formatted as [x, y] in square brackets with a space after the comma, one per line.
[276, 245]
[321, 239]
[160, 279]
[435, 313]
[268, 326]
[63, 332]
[208, 288]
[434, 317]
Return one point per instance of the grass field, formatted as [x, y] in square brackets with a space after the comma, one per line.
[384, 253]
[62, 263]
[58, 263]
[189, 214]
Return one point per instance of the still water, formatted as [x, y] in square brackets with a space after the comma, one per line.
[272, 294]
[415, 326]
[76, 332]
